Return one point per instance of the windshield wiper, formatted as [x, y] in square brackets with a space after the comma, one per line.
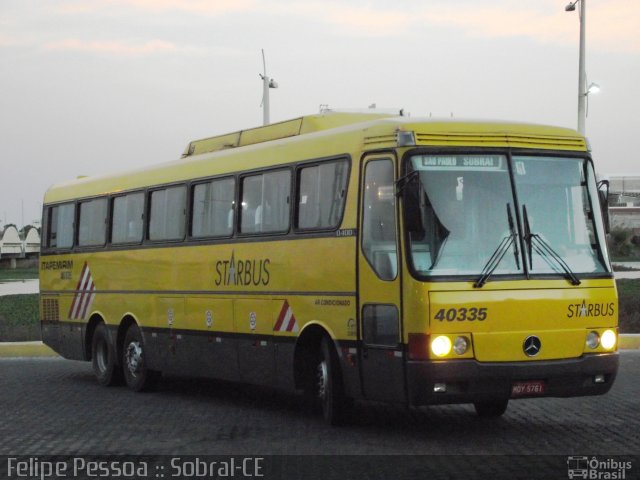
[514, 235]
[499, 253]
[546, 251]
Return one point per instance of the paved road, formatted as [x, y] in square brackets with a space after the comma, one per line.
[53, 406]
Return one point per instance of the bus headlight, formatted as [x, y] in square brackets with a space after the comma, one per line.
[441, 346]
[608, 339]
[460, 345]
[593, 339]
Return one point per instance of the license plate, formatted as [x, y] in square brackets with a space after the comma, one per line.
[521, 389]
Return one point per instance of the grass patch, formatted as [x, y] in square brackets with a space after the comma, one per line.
[629, 301]
[7, 274]
[19, 318]
[631, 258]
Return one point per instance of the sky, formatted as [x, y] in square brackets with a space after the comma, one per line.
[94, 87]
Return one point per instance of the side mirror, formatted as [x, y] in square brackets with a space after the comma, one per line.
[603, 195]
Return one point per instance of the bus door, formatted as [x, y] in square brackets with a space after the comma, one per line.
[380, 352]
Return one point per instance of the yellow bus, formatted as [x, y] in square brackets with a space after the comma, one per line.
[347, 256]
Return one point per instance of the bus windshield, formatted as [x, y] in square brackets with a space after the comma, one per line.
[462, 217]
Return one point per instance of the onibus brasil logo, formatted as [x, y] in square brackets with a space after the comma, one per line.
[595, 468]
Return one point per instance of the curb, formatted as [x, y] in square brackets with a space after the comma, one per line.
[629, 341]
[25, 349]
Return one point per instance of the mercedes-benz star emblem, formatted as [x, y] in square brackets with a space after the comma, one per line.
[531, 346]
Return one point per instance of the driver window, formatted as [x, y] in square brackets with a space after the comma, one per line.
[379, 219]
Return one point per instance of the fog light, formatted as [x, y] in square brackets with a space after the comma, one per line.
[608, 340]
[460, 345]
[593, 339]
[439, 387]
[441, 346]
[598, 379]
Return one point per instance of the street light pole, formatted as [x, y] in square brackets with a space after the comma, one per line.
[582, 80]
[267, 83]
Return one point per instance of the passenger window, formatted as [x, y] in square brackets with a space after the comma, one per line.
[92, 230]
[128, 218]
[265, 202]
[61, 223]
[212, 208]
[379, 219]
[380, 325]
[321, 195]
[167, 214]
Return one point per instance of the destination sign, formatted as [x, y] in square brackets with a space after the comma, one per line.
[460, 162]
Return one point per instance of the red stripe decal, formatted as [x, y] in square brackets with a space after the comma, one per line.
[88, 302]
[77, 295]
[283, 313]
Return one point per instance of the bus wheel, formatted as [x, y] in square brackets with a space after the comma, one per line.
[491, 409]
[103, 358]
[329, 386]
[136, 374]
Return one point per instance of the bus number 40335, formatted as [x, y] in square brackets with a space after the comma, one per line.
[462, 314]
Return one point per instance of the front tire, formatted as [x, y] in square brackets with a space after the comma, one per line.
[491, 409]
[103, 358]
[138, 377]
[336, 407]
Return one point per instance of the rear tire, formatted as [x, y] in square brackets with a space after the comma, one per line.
[103, 358]
[138, 377]
[491, 409]
[336, 407]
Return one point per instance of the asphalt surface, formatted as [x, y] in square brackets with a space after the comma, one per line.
[53, 406]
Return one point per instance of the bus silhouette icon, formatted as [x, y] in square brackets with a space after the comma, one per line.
[578, 467]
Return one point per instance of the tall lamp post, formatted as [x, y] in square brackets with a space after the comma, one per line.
[267, 83]
[583, 91]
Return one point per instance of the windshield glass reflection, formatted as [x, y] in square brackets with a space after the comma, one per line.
[462, 213]
[460, 208]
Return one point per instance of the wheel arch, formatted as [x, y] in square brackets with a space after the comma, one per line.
[307, 348]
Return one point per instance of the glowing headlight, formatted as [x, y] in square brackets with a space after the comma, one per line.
[460, 345]
[608, 339]
[441, 346]
[593, 339]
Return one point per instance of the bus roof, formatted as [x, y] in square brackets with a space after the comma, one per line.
[351, 132]
[275, 131]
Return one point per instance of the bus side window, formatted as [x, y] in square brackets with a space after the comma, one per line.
[127, 218]
[321, 195]
[379, 219]
[212, 208]
[266, 202]
[92, 230]
[167, 213]
[61, 224]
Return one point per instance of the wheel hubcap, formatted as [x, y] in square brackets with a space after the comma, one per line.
[134, 357]
[101, 356]
[322, 379]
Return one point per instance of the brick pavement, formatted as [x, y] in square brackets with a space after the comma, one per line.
[54, 406]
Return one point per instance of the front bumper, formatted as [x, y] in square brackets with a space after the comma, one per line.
[469, 381]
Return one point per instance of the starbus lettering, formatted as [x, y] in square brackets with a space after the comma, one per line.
[242, 272]
[585, 309]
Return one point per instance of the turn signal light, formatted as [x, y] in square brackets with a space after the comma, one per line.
[418, 346]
